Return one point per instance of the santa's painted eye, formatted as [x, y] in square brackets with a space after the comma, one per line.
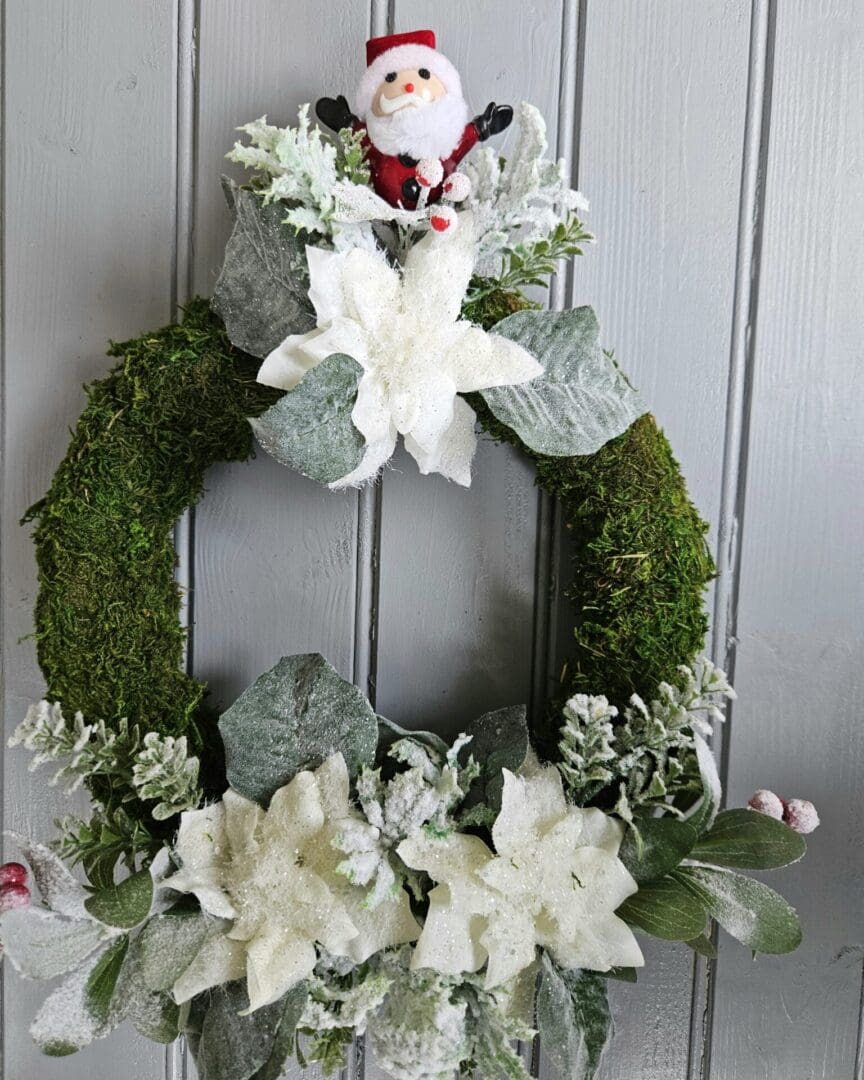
[423, 73]
[390, 76]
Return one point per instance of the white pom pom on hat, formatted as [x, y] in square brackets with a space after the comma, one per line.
[396, 52]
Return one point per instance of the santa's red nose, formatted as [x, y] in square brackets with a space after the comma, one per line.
[409, 87]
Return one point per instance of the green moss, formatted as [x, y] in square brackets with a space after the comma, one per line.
[639, 561]
[493, 306]
[109, 642]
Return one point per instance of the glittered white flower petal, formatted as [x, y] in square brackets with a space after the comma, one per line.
[331, 778]
[371, 289]
[242, 818]
[339, 336]
[604, 942]
[274, 964]
[451, 938]
[437, 272]
[529, 806]
[295, 810]
[455, 449]
[478, 360]
[219, 960]
[202, 847]
[325, 283]
[286, 365]
[509, 941]
[447, 857]
[389, 923]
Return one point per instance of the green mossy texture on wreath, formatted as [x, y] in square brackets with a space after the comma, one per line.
[108, 637]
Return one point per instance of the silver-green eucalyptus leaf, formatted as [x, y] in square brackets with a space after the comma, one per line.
[581, 400]
[574, 1020]
[262, 292]
[310, 428]
[293, 717]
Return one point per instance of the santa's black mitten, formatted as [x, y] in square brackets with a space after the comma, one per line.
[336, 113]
[493, 119]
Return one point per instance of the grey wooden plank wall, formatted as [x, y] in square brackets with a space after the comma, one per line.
[721, 145]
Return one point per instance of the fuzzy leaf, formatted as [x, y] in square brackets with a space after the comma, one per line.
[125, 905]
[580, 402]
[665, 841]
[65, 1022]
[310, 428]
[153, 1014]
[665, 909]
[702, 815]
[283, 1045]
[574, 1020]
[42, 945]
[58, 888]
[235, 1047]
[748, 840]
[100, 986]
[262, 292]
[499, 741]
[752, 913]
[292, 717]
[168, 944]
[390, 732]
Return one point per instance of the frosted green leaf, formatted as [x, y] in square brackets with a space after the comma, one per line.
[659, 847]
[103, 980]
[169, 943]
[499, 740]
[665, 909]
[310, 428]
[42, 945]
[752, 913]
[58, 888]
[573, 1019]
[747, 840]
[292, 717]
[262, 292]
[124, 905]
[237, 1047]
[580, 402]
[65, 1023]
[153, 1014]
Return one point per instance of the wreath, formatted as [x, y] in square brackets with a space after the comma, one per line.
[299, 871]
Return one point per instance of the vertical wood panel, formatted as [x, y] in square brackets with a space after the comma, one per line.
[660, 157]
[457, 566]
[796, 726]
[88, 252]
[275, 553]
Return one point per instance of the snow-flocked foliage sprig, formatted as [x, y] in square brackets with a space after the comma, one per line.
[422, 794]
[524, 209]
[646, 754]
[155, 767]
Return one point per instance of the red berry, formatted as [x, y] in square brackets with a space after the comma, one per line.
[801, 816]
[440, 224]
[13, 895]
[422, 181]
[12, 873]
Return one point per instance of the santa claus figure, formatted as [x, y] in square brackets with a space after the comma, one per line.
[413, 116]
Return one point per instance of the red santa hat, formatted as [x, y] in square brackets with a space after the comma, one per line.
[396, 52]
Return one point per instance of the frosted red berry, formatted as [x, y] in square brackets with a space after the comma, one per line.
[12, 873]
[801, 816]
[13, 895]
[440, 224]
[766, 802]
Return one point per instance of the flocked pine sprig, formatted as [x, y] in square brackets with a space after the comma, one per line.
[647, 755]
[587, 750]
[155, 768]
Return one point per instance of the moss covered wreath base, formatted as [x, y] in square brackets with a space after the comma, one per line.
[300, 871]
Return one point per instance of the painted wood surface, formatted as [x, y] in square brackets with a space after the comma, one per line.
[720, 145]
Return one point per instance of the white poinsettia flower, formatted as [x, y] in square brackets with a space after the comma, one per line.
[417, 355]
[275, 874]
[554, 880]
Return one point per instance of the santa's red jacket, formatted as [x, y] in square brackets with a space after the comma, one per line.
[392, 175]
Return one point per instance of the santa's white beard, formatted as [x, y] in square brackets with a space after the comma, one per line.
[431, 131]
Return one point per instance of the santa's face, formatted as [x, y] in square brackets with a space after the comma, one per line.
[412, 88]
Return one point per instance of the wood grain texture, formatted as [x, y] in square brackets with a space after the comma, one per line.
[275, 554]
[455, 617]
[796, 727]
[659, 158]
[88, 243]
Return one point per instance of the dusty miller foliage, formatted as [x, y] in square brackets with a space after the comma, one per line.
[155, 767]
[524, 209]
[302, 165]
[645, 756]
